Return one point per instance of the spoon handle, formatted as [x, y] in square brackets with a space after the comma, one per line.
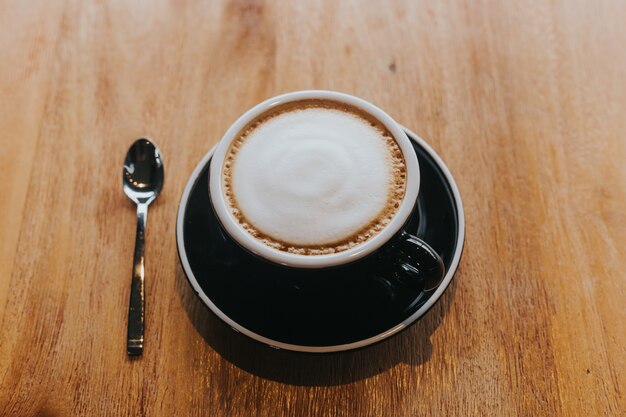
[134, 340]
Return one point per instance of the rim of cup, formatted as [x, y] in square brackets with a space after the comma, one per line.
[247, 241]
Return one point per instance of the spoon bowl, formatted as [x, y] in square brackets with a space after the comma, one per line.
[143, 172]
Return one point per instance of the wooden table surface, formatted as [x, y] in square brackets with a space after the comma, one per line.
[525, 101]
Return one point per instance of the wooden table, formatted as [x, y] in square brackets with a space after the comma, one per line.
[525, 101]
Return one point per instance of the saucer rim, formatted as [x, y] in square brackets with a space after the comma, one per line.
[180, 217]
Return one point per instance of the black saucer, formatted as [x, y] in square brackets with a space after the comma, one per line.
[316, 310]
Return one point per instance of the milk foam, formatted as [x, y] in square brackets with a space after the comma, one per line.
[315, 179]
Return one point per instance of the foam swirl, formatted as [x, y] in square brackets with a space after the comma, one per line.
[314, 178]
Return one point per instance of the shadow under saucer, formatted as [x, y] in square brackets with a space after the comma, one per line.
[411, 346]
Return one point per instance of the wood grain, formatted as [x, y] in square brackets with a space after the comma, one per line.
[525, 101]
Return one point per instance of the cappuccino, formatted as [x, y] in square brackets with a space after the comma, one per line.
[314, 177]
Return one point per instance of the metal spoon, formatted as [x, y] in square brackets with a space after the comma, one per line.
[142, 178]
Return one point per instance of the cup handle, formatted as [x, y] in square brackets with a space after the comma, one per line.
[416, 263]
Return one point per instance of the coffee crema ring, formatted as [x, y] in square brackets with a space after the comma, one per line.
[314, 177]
